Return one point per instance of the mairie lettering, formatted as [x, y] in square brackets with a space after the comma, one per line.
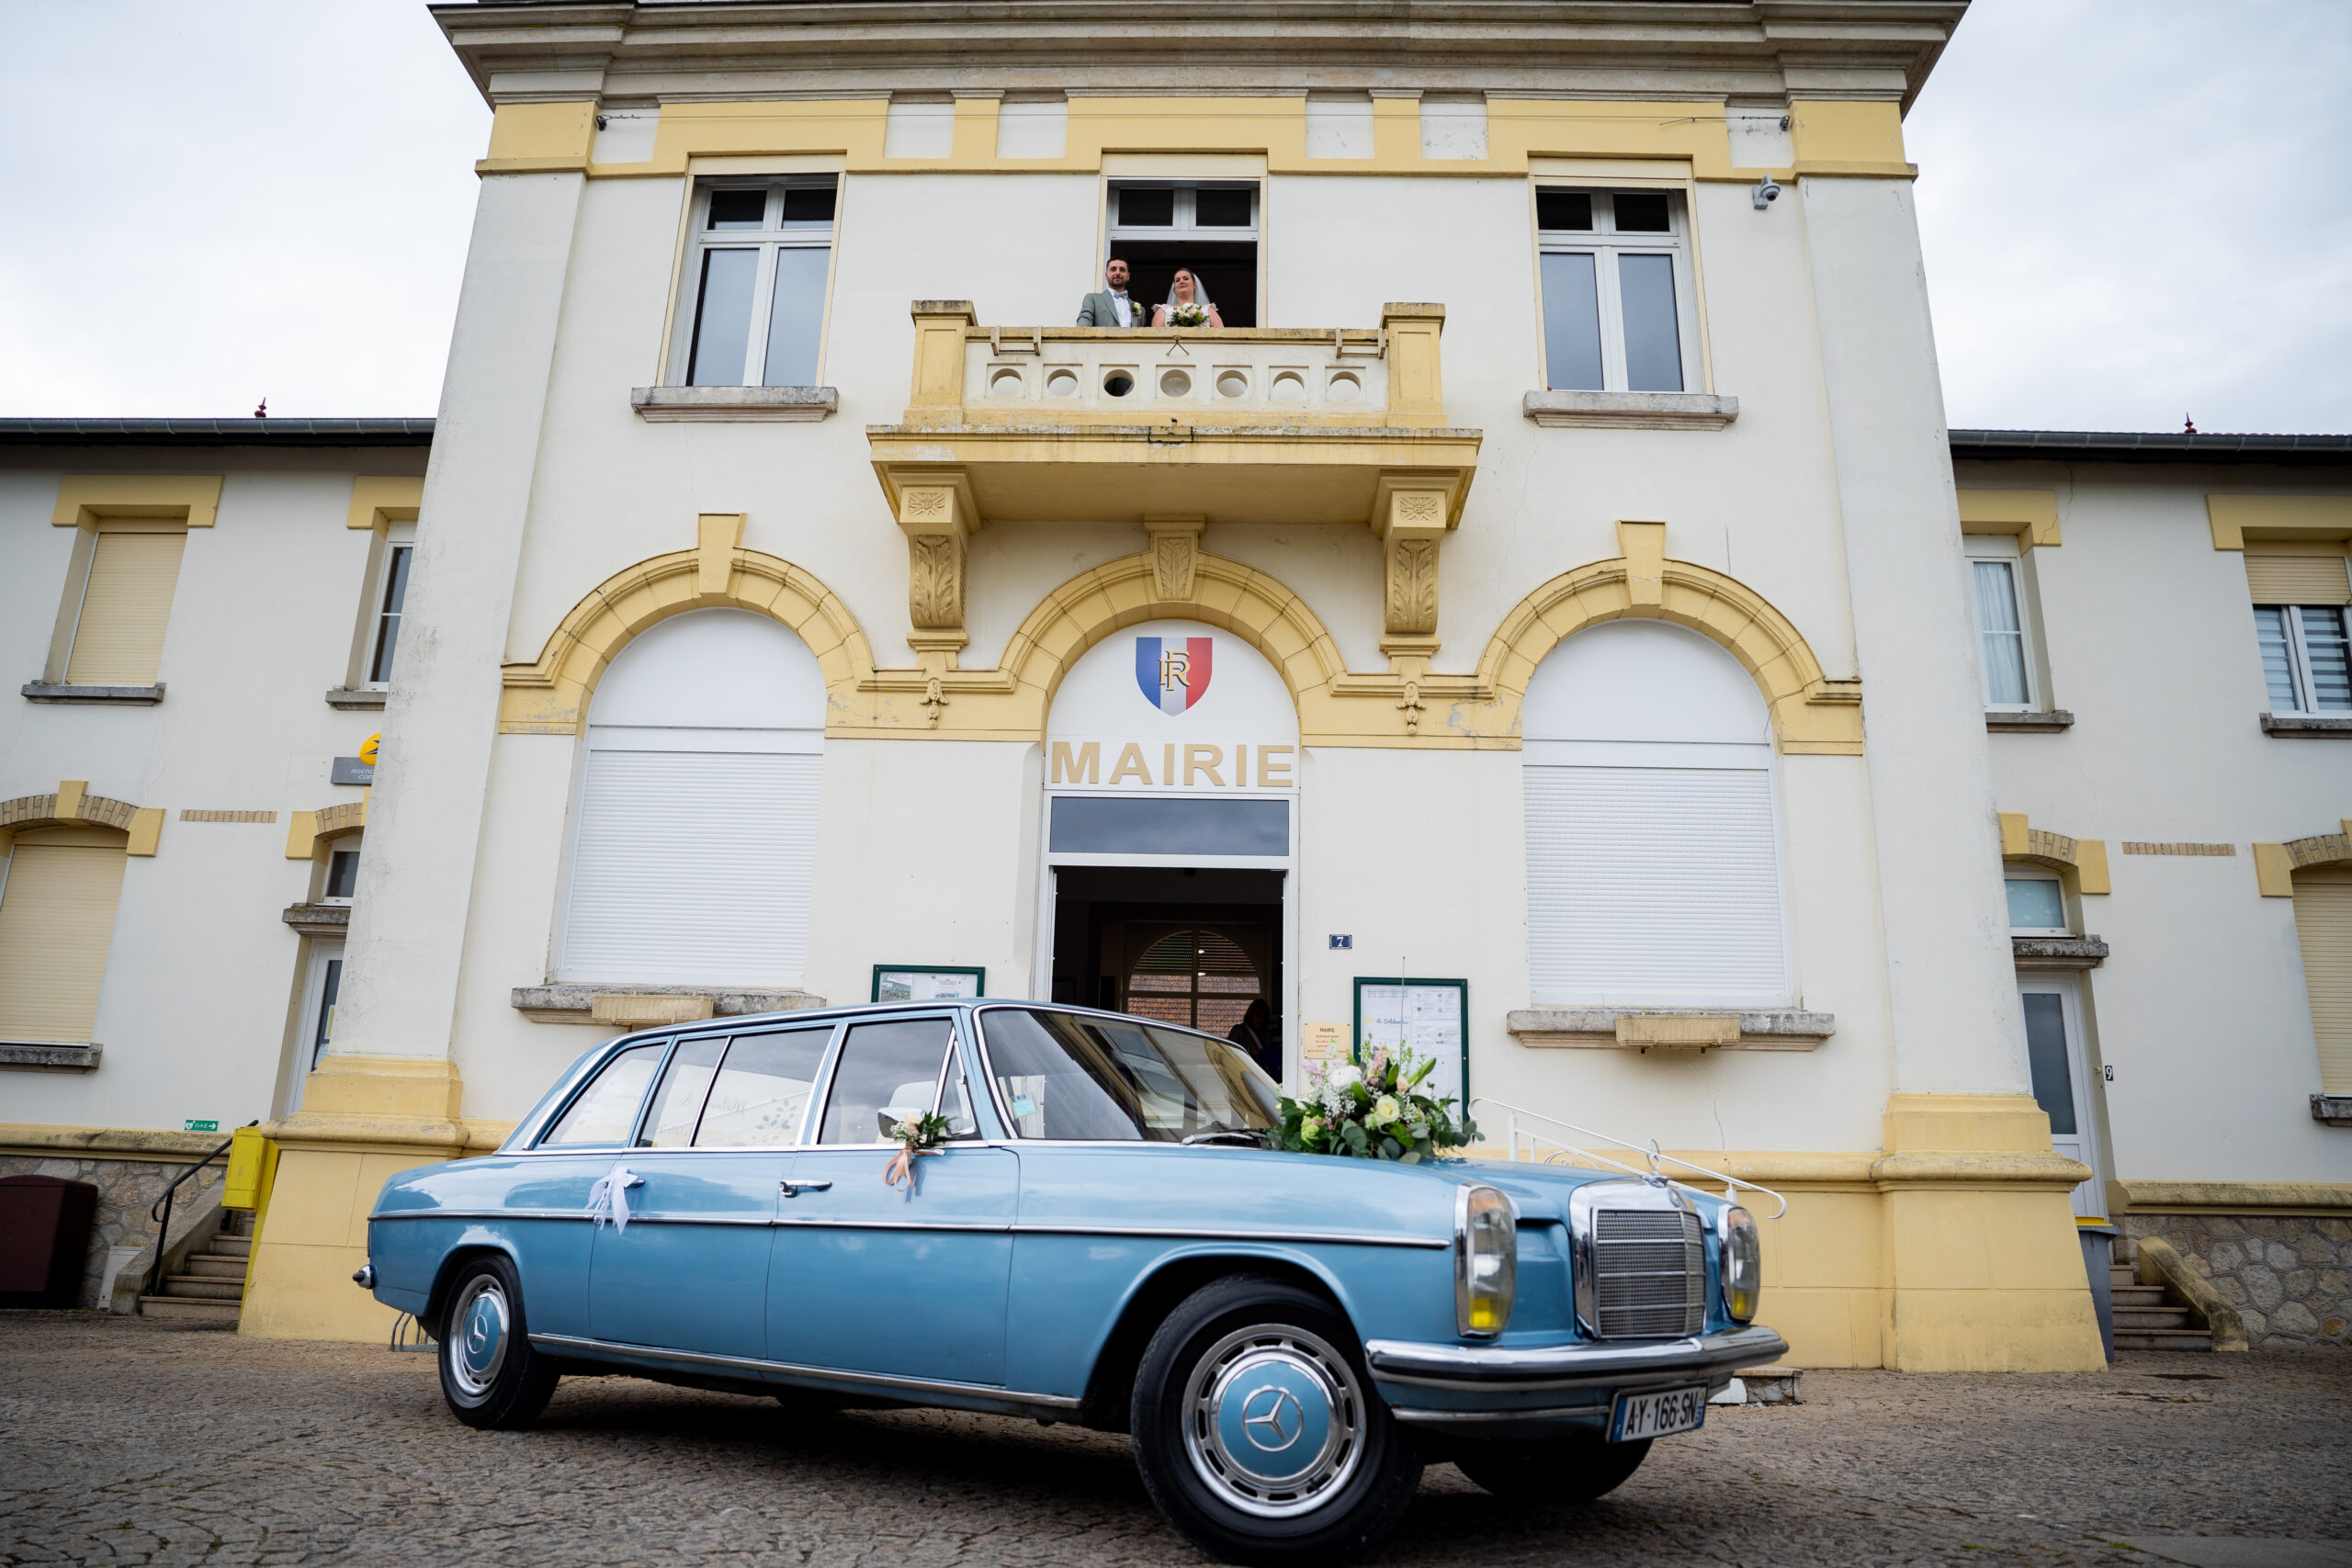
[1197, 767]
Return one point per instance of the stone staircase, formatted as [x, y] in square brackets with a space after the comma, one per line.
[212, 1289]
[2147, 1317]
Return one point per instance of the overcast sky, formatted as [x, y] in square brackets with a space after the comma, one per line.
[2132, 210]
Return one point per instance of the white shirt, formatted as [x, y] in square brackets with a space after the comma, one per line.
[1119, 303]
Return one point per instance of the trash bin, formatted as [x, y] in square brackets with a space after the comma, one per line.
[44, 1239]
[2099, 1258]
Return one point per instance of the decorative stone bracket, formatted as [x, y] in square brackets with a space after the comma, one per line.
[937, 516]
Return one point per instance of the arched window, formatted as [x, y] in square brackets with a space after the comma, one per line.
[1652, 853]
[694, 835]
[58, 890]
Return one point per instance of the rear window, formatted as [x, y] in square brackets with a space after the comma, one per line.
[1072, 1075]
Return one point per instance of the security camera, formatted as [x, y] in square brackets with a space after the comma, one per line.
[1767, 192]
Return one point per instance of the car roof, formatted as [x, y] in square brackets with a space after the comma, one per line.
[739, 1023]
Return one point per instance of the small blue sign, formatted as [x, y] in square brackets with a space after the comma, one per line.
[1340, 942]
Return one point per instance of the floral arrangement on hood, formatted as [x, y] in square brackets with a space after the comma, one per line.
[1375, 1111]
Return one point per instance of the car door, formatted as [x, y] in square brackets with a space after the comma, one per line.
[690, 1272]
[871, 1278]
[547, 1200]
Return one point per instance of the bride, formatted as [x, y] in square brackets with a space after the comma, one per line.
[1188, 304]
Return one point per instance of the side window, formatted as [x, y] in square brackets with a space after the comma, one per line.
[400, 549]
[2000, 623]
[755, 311]
[603, 1114]
[2299, 619]
[888, 1071]
[685, 1083]
[1617, 291]
[126, 601]
[762, 1088]
[342, 878]
[2037, 903]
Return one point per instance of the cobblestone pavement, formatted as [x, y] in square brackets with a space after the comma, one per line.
[127, 1441]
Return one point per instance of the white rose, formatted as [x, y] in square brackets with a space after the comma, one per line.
[1345, 1074]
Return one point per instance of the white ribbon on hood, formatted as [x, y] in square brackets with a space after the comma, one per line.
[609, 1198]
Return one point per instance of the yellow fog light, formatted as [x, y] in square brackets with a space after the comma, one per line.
[1486, 1260]
[1739, 1254]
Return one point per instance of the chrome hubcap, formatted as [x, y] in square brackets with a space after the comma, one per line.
[1274, 1420]
[476, 1347]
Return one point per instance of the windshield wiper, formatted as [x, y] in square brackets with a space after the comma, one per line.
[1242, 1135]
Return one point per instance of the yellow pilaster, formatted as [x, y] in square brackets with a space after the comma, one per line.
[364, 1120]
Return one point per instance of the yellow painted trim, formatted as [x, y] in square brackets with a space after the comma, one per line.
[2274, 871]
[540, 139]
[75, 806]
[2081, 863]
[2234, 519]
[549, 696]
[308, 832]
[84, 500]
[146, 831]
[380, 501]
[2030, 514]
[2090, 866]
[1811, 713]
[301, 834]
[1841, 138]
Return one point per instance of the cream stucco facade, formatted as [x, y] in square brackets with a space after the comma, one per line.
[1378, 499]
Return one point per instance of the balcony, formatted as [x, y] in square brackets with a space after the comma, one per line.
[1268, 425]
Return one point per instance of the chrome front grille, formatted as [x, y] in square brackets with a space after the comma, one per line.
[1649, 1273]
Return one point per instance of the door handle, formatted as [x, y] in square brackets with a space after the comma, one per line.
[794, 1188]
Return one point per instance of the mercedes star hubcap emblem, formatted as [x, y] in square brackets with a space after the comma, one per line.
[1271, 1419]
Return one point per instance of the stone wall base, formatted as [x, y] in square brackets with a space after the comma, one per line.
[127, 1188]
[2290, 1278]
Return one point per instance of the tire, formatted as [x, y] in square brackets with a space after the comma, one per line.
[1550, 1469]
[1247, 1355]
[489, 1374]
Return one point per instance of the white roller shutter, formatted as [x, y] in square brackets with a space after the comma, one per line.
[2324, 925]
[56, 921]
[692, 868]
[1653, 885]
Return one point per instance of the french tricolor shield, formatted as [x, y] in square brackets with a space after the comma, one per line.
[1173, 675]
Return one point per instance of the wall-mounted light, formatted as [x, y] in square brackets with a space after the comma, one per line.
[1767, 192]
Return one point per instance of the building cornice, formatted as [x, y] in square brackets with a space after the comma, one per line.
[1759, 51]
[216, 433]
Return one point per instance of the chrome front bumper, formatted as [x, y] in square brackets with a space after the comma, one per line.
[1597, 1373]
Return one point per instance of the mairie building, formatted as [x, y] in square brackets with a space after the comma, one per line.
[1541, 619]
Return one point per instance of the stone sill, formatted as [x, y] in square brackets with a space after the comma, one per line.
[2048, 723]
[1630, 410]
[2335, 1109]
[578, 1004]
[348, 697]
[52, 692]
[733, 405]
[2232, 1197]
[1655, 1029]
[2058, 952]
[35, 1056]
[2281, 724]
[318, 920]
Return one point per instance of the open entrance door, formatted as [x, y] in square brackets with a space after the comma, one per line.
[1199, 947]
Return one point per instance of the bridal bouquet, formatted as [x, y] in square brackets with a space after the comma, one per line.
[1188, 316]
[1375, 1111]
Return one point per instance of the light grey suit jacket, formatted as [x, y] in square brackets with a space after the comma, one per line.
[1101, 310]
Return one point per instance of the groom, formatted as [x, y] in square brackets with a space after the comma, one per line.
[1109, 306]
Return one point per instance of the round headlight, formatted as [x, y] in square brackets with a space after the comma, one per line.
[1739, 1255]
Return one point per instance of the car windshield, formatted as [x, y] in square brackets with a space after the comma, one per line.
[1073, 1075]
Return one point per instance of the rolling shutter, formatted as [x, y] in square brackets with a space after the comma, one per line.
[118, 637]
[2323, 926]
[56, 920]
[693, 868]
[2297, 580]
[1653, 885]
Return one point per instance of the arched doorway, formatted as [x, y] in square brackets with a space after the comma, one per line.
[1171, 828]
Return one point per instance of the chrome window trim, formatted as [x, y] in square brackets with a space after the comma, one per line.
[1014, 1227]
[880, 1381]
[636, 1124]
[1004, 1115]
[813, 1122]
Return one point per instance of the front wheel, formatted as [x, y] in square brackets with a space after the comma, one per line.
[1257, 1430]
[1550, 1469]
[489, 1374]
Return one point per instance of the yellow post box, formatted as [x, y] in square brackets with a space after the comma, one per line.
[253, 1164]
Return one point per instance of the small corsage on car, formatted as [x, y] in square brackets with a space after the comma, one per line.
[917, 1135]
[1375, 1111]
[1188, 316]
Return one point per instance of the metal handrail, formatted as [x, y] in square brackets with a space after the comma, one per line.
[164, 1220]
[1650, 1153]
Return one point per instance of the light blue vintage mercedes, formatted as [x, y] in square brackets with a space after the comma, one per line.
[1104, 1237]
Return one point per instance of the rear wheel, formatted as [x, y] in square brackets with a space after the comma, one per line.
[489, 1374]
[1550, 1469]
[1257, 1430]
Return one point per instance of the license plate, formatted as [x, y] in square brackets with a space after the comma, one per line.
[1639, 1416]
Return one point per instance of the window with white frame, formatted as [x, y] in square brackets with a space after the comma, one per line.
[2306, 664]
[400, 549]
[2037, 903]
[342, 878]
[2004, 648]
[757, 273]
[1208, 227]
[1618, 304]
